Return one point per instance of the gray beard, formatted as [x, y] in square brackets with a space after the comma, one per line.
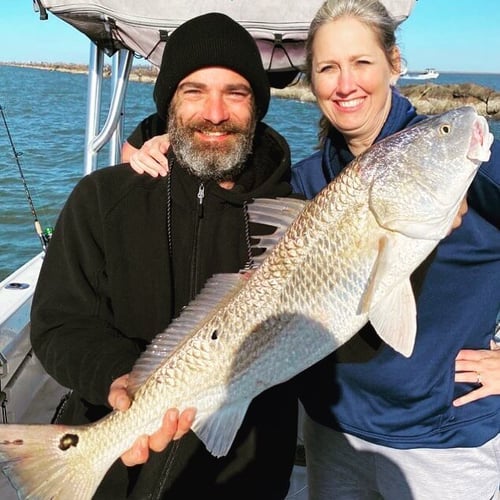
[211, 162]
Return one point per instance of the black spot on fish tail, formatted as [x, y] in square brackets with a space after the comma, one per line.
[67, 441]
[215, 335]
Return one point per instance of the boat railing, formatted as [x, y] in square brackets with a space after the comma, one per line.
[21, 375]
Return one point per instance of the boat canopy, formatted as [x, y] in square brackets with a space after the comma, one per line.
[124, 28]
[280, 28]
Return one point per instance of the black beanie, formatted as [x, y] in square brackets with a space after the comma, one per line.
[210, 40]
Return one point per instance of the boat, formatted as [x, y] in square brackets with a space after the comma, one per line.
[124, 30]
[427, 74]
[404, 68]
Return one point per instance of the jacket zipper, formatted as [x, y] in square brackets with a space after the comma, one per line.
[201, 197]
[194, 267]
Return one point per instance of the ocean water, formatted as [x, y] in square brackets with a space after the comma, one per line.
[45, 113]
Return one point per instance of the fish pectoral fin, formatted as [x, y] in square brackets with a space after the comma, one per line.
[395, 318]
[380, 266]
[218, 430]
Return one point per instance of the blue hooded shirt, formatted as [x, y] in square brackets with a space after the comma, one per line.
[407, 402]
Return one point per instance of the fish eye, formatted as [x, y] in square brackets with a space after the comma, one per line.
[445, 129]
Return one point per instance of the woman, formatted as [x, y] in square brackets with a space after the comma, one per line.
[385, 426]
[393, 427]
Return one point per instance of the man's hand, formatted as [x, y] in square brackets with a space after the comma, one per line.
[173, 426]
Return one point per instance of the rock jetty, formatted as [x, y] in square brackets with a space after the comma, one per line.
[428, 98]
[146, 74]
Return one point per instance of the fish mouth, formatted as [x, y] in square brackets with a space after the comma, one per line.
[481, 141]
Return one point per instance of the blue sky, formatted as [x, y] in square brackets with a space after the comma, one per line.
[449, 35]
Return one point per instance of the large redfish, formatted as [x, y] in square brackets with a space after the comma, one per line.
[333, 264]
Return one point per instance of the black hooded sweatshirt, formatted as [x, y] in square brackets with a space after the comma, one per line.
[127, 253]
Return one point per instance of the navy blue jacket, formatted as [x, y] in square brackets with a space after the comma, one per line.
[407, 403]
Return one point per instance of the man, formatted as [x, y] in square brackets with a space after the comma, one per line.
[129, 252]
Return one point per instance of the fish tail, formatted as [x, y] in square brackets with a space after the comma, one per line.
[48, 462]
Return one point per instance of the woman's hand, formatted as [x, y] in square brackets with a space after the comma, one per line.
[151, 157]
[174, 426]
[481, 367]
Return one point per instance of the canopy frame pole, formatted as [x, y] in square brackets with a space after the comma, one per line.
[111, 132]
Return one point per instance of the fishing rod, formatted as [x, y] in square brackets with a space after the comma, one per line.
[46, 234]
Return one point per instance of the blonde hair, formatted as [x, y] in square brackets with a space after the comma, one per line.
[373, 14]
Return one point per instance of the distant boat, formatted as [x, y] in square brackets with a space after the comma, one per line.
[404, 69]
[428, 74]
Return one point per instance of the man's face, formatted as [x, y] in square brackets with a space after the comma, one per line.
[212, 122]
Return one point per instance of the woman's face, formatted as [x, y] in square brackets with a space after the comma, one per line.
[351, 78]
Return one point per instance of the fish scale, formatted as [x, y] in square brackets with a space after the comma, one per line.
[345, 259]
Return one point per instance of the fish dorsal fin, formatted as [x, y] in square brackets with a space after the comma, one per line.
[218, 290]
[279, 213]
